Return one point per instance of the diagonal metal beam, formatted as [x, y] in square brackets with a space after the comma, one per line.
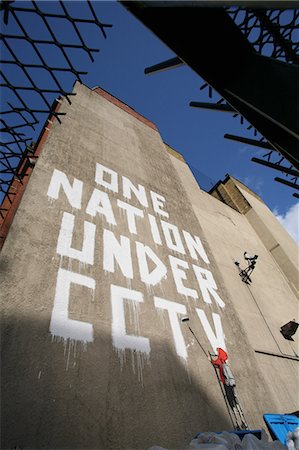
[274, 31]
[171, 63]
[261, 89]
[249, 141]
[214, 106]
[274, 166]
[287, 183]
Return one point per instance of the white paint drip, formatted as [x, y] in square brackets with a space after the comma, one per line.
[121, 356]
[139, 359]
[186, 367]
[161, 316]
[129, 283]
[69, 345]
[138, 362]
[134, 315]
[51, 201]
[70, 350]
[149, 288]
[82, 266]
[69, 264]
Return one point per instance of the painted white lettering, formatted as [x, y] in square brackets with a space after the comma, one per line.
[158, 204]
[154, 229]
[180, 275]
[99, 203]
[159, 272]
[132, 212]
[61, 325]
[64, 243]
[195, 247]
[129, 187]
[216, 339]
[72, 192]
[121, 340]
[172, 237]
[112, 183]
[173, 310]
[207, 285]
[121, 252]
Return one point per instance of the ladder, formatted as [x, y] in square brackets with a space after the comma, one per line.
[232, 403]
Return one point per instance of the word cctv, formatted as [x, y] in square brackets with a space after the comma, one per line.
[118, 250]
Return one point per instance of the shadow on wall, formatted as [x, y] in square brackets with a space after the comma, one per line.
[57, 396]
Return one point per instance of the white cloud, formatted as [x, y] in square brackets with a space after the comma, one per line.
[290, 221]
[243, 149]
[254, 183]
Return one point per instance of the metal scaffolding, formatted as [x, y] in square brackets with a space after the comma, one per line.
[248, 59]
[28, 104]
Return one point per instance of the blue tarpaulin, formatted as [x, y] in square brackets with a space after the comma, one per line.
[280, 424]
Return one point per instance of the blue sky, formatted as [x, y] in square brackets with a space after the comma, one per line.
[164, 99]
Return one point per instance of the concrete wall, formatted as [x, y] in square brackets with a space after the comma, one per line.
[89, 365]
[277, 241]
[275, 238]
[269, 302]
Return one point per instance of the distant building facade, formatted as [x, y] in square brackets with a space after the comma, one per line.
[112, 244]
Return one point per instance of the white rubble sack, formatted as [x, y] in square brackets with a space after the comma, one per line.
[231, 441]
[157, 447]
[293, 439]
